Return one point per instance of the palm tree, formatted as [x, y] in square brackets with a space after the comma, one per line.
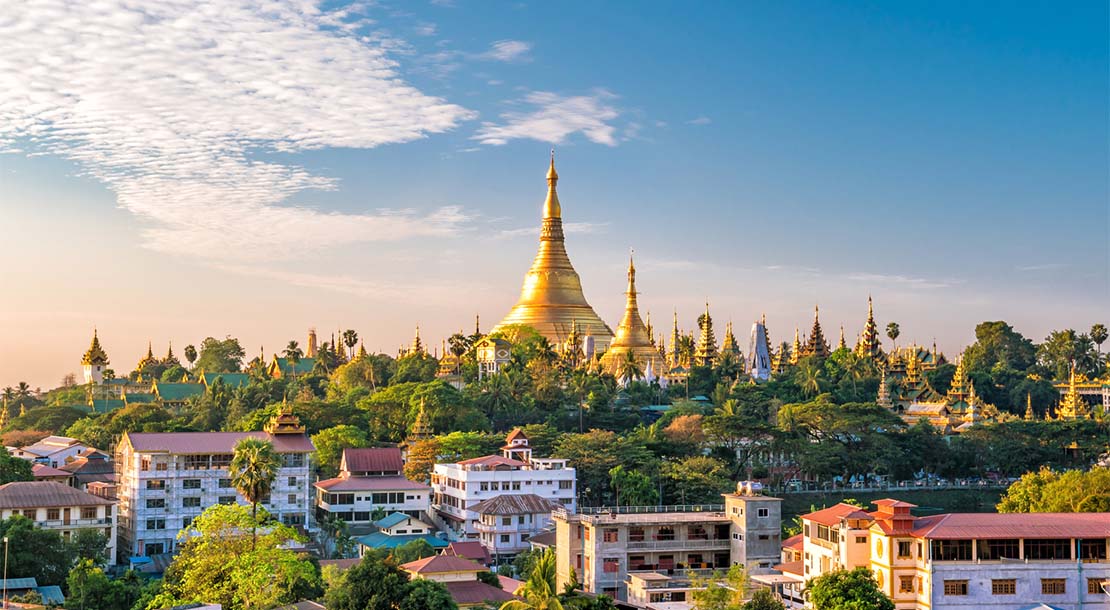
[459, 345]
[811, 375]
[893, 331]
[9, 394]
[538, 592]
[253, 469]
[293, 355]
[190, 354]
[856, 368]
[628, 368]
[350, 339]
[1098, 335]
[23, 390]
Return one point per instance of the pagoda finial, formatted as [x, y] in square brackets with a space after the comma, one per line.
[551, 207]
[477, 324]
[842, 344]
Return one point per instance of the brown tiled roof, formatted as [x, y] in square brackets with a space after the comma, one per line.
[470, 549]
[793, 567]
[45, 494]
[493, 460]
[833, 514]
[90, 463]
[476, 592]
[42, 471]
[965, 526]
[437, 564]
[543, 539]
[506, 504]
[374, 459]
[212, 442]
[370, 484]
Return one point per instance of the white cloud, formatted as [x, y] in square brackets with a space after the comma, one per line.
[178, 106]
[508, 50]
[425, 29]
[901, 280]
[1041, 267]
[555, 117]
[702, 120]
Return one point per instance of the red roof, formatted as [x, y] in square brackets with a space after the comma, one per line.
[213, 442]
[493, 460]
[793, 567]
[371, 484]
[520, 504]
[470, 549]
[965, 526]
[794, 542]
[834, 514]
[469, 592]
[515, 434]
[373, 459]
[437, 564]
[42, 471]
[46, 494]
[893, 503]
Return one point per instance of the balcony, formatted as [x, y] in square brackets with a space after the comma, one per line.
[679, 545]
[61, 523]
[501, 529]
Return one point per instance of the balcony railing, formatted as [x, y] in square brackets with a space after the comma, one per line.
[73, 522]
[650, 545]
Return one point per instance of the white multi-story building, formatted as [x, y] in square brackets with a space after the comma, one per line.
[962, 561]
[60, 508]
[54, 451]
[166, 479]
[461, 487]
[369, 481]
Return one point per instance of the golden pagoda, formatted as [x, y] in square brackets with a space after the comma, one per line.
[957, 390]
[817, 346]
[796, 349]
[1072, 406]
[96, 354]
[869, 344]
[841, 345]
[706, 354]
[551, 299]
[417, 348]
[673, 356]
[148, 359]
[632, 334]
[729, 345]
[1028, 407]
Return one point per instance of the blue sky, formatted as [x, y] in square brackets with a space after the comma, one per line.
[211, 169]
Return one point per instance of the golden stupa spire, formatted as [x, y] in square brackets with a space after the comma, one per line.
[632, 334]
[551, 296]
[957, 389]
[796, 349]
[1072, 406]
[1028, 407]
[841, 344]
[96, 353]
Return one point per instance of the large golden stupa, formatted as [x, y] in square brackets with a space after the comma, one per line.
[632, 337]
[551, 300]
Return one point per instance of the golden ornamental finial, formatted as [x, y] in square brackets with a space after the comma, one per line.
[551, 207]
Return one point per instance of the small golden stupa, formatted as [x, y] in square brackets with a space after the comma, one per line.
[632, 335]
[551, 300]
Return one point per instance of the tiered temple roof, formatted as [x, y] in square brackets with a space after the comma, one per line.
[869, 343]
[706, 353]
[95, 353]
[817, 345]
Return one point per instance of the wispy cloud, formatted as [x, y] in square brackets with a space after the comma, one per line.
[509, 51]
[1041, 267]
[901, 280]
[553, 118]
[702, 120]
[412, 293]
[573, 228]
[176, 107]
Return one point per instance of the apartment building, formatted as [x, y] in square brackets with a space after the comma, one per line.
[166, 479]
[961, 561]
[54, 451]
[459, 488]
[608, 546]
[61, 508]
[371, 481]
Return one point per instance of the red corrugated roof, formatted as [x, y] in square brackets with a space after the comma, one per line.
[213, 442]
[42, 471]
[515, 434]
[521, 504]
[965, 526]
[794, 542]
[373, 459]
[793, 567]
[43, 494]
[442, 563]
[834, 514]
[476, 592]
[470, 549]
[371, 484]
[492, 460]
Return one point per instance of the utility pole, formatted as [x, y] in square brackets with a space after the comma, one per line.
[5, 573]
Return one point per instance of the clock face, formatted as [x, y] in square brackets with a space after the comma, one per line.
[502, 353]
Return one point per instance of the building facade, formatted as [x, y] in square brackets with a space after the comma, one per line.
[371, 481]
[460, 488]
[166, 479]
[60, 508]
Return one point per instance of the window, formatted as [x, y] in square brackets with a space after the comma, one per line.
[505, 538]
[996, 550]
[861, 539]
[31, 513]
[1092, 550]
[156, 484]
[156, 503]
[292, 499]
[88, 512]
[162, 466]
[905, 584]
[226, 500]
[1053, 586]
[483, 486]
[156, 524]
[186, 522]
[1004, 586]
[566, 484]
[1094, 586]
[1048, 549]
[516, 485]
[635, 534]
[951, 550]
[612, 565]
[955, 587]
[292, 460]
[190, 484]
[665, 534]
[762, 512]
[506, 520]
[609, 534]
[144, 462]
[190, 502]
[225, 484]
[905, 549]
[52, 514]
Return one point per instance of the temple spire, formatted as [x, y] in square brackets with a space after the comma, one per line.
[841, 345]
[796, 349]
[817, 346]
[551, 207]
[632, 335]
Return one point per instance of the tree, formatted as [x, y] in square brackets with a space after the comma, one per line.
[1098, 334]
[594, 454]
[629, 368]
[893, 331]
[36, 553]
[421, 459]
[220, 356]
[721, 591]
[330, 444]
[632, 488]
[424, 594]
[1062, 348]
[376, 583]
[763, 599]
[14, 469]
[696, 480]
[998, 344]
[413, 550]
[191, 354]
[1046, 491]
[91, 545]
[253, 469]
[490, 579]
[847, 590]
[90, 589]
[538, 592]
[218, 563]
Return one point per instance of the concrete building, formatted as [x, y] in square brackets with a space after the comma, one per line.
[961, 561]
[166, 479]
[369, 481]
[60, 508]
[606, 546]
[54, 451]
[507, 522]
[460, 488]
[460, 577]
